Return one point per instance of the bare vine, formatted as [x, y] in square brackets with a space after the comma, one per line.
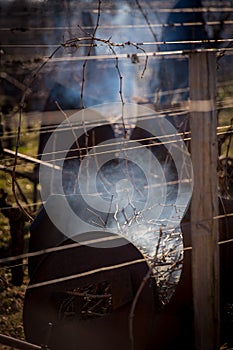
[89, 53]
[74, 42]
[133, 307]
[20, 111]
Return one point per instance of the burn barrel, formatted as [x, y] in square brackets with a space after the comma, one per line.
[87, 294]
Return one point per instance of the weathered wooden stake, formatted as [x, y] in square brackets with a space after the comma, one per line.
[204, 205]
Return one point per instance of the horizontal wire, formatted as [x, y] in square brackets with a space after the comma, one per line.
[116, 150]
[122, 26]
[204, 9]
[177, 54]
[174, 111]
[24, 205]
[104, 239]
[195, 9]
[30, 159]
[120, 45]
[107, 268]
[152, 54]
[59, 248]
[167, 183]
[87, 273]
[113, 150]
[8, 267]
[226, 241]
[50, 128]
[34, 160]
[119, 143]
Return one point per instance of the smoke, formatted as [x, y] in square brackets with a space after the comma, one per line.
[102, 78]
[121, 185]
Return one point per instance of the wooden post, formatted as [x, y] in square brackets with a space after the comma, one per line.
[204, 205]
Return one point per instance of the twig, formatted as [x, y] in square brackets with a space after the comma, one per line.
[125, 216]
[18, 344]
[155, 38]
[96, 215]
[21, 106]
[96, 223]
[21, 192]
[133, 306]
[24, 211]
[72, 129]
[116, 219]
[158, 244]
[88, 54]
[88, 295]
[120, 89]
[106, 221]
[147, 57]
[103, 178]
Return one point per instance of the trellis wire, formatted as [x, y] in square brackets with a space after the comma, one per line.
[171, 112]
[122, 45]
[123, 26]
[153, 144]
[74, 245]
